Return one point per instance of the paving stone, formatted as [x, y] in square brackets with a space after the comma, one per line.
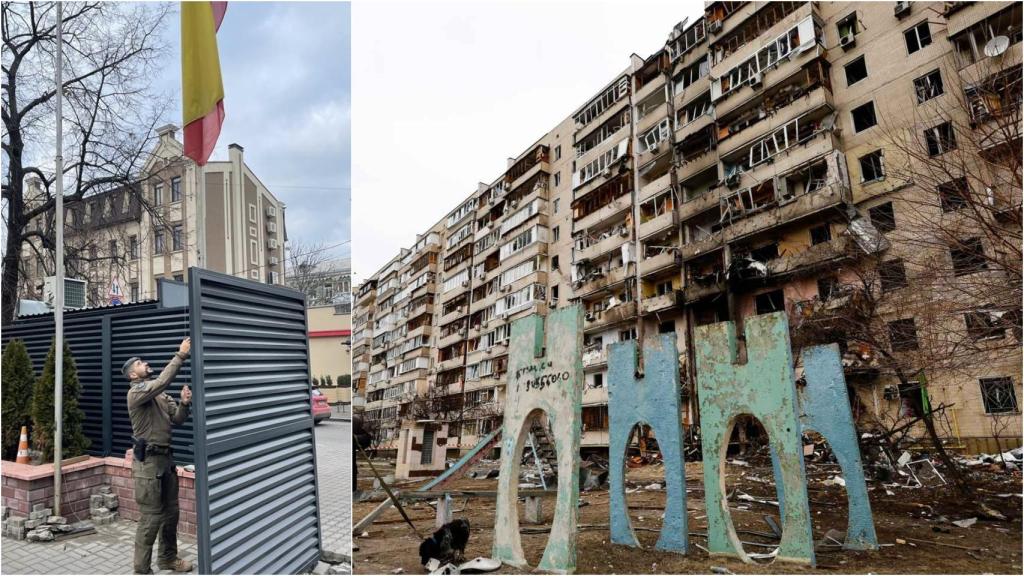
[56, 520]
[96, 501]
[110, 501]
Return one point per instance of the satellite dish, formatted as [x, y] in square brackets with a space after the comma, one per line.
[996, 46]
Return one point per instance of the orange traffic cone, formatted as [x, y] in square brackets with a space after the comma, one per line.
[23, 457]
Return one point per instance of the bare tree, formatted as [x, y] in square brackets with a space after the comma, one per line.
[112, 53]
[309, 267]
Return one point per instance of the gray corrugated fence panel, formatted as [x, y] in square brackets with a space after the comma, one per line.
[256, 485]
[83, 335]
[154, 335]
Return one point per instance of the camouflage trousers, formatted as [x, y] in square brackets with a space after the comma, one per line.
[156, 493]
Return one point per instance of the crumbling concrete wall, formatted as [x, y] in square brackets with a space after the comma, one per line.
[765, 388]
[545, 376]
[654, 400]
[825, 408]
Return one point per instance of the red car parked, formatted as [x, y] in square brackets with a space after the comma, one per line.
[321, 409]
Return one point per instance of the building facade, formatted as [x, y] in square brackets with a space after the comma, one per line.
[330, 351]
[763, 160]
[167, 223]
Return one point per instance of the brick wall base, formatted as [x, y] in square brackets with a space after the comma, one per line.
[25, 486]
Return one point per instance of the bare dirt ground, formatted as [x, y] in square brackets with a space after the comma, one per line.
[914, 527]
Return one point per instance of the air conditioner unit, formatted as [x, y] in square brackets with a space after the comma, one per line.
[271, 211]
[901, 9]
[272, 243]
[273, 260]
[272, 227]
[715, 26]
[756, 80]
[847, 41]
[74, 292]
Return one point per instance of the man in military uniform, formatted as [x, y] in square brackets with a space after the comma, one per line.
[153, 412]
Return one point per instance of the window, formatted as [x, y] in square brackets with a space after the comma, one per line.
[254, 249]
[928, 86]
[903, 335]
[595, 417]
[554, 262]
[158, 242]
[176, 189]
[158, 193]
[872, 167]
[556, 205]
[998, 395]
[968, 257]
[883, 217]
[821, 234]
[133, 291]
[917, 37]
[112, 248]
[984, 325]
[770, 302]
[940, 139]
[598, 380]
[558, 152]
[856, 71]
[663, 288]
[133, 247]
[176, 239]
[892, 275]
[864, 117]
[558, 179]
[252, 212]
[847, 26]
[827, 288]
[953, 195]
[626, 335]
[555, 233]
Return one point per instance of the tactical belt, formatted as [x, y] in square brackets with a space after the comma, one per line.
[154, 449]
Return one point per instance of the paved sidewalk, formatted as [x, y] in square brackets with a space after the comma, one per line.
[334, 478]
[108, 551]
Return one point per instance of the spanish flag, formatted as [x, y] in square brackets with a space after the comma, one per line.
[202, 92]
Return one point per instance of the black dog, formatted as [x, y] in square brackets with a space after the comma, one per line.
[447, 544]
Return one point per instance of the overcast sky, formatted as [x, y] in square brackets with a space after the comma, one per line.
[444, 93]
[286, 72]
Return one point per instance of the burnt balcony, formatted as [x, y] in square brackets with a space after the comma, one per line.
[666, 260]
[610, 240]
[595, 357]
[658, 224]
[661, 303]
[660, 184]
[704, 287]
[648, 155]
[601, 281]
[613, 211]
[601, 319]
[814, 257]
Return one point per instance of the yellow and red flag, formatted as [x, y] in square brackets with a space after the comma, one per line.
[202, 92]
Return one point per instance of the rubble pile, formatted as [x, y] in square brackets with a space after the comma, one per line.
[40, 526]
[103, 505]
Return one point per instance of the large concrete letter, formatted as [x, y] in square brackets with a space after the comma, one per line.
[765, 388]
[654, 400]
[825, 408]
[549, 380]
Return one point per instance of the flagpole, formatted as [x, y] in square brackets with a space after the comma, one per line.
[58, 313]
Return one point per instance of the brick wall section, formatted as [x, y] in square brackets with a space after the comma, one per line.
[24, 486]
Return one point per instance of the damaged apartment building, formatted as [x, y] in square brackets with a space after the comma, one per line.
[740, 170]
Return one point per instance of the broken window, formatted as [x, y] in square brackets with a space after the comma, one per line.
[918, 37]
[769, 302]
[847, 27]
[928, 86]
[655, 135]
[766, 252]
[968, 257]
[828, 287]
[940, 139]
[953, 195]
[984, 325]
[691, 74]
[872, 166]
[883, 217]
[970, 44]
[903, 335]
[856, 71]
[864, 117]
[998, 395]
[605, 100]
[821, 234]
[892, 275]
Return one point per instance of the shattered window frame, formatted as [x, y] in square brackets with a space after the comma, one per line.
[892, 275]
[999, 395]
[852, 66]
[953, 195]
[929, 86]
[876, 163]
[903, 335]
[984, 324]
[865, 123]
[968, 257]
[940, 139]
[920, 41]
[883, 217]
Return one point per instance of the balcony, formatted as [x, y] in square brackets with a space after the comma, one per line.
[621, 165]
[658, 224]
[745, 51]
[649, 88]
[454, 292]
[541, 166]
[604, 281]
[692, 93]
[651, 118]
[590, 155]
[818, 99]
[605, 318]
[967, 17]
[802, 206]
[661, 303]
[595, 357]
[647, 156]
[698, 290]
[424, 330]
[666, 260]
[603, 246]
[822, 143]
[450, 363]
[660, 184]
[613, 211]
[815, 256]
[452, 316]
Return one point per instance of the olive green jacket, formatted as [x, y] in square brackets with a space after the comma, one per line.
[152, 411]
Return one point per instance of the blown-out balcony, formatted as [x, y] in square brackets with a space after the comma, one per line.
[602, 319]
